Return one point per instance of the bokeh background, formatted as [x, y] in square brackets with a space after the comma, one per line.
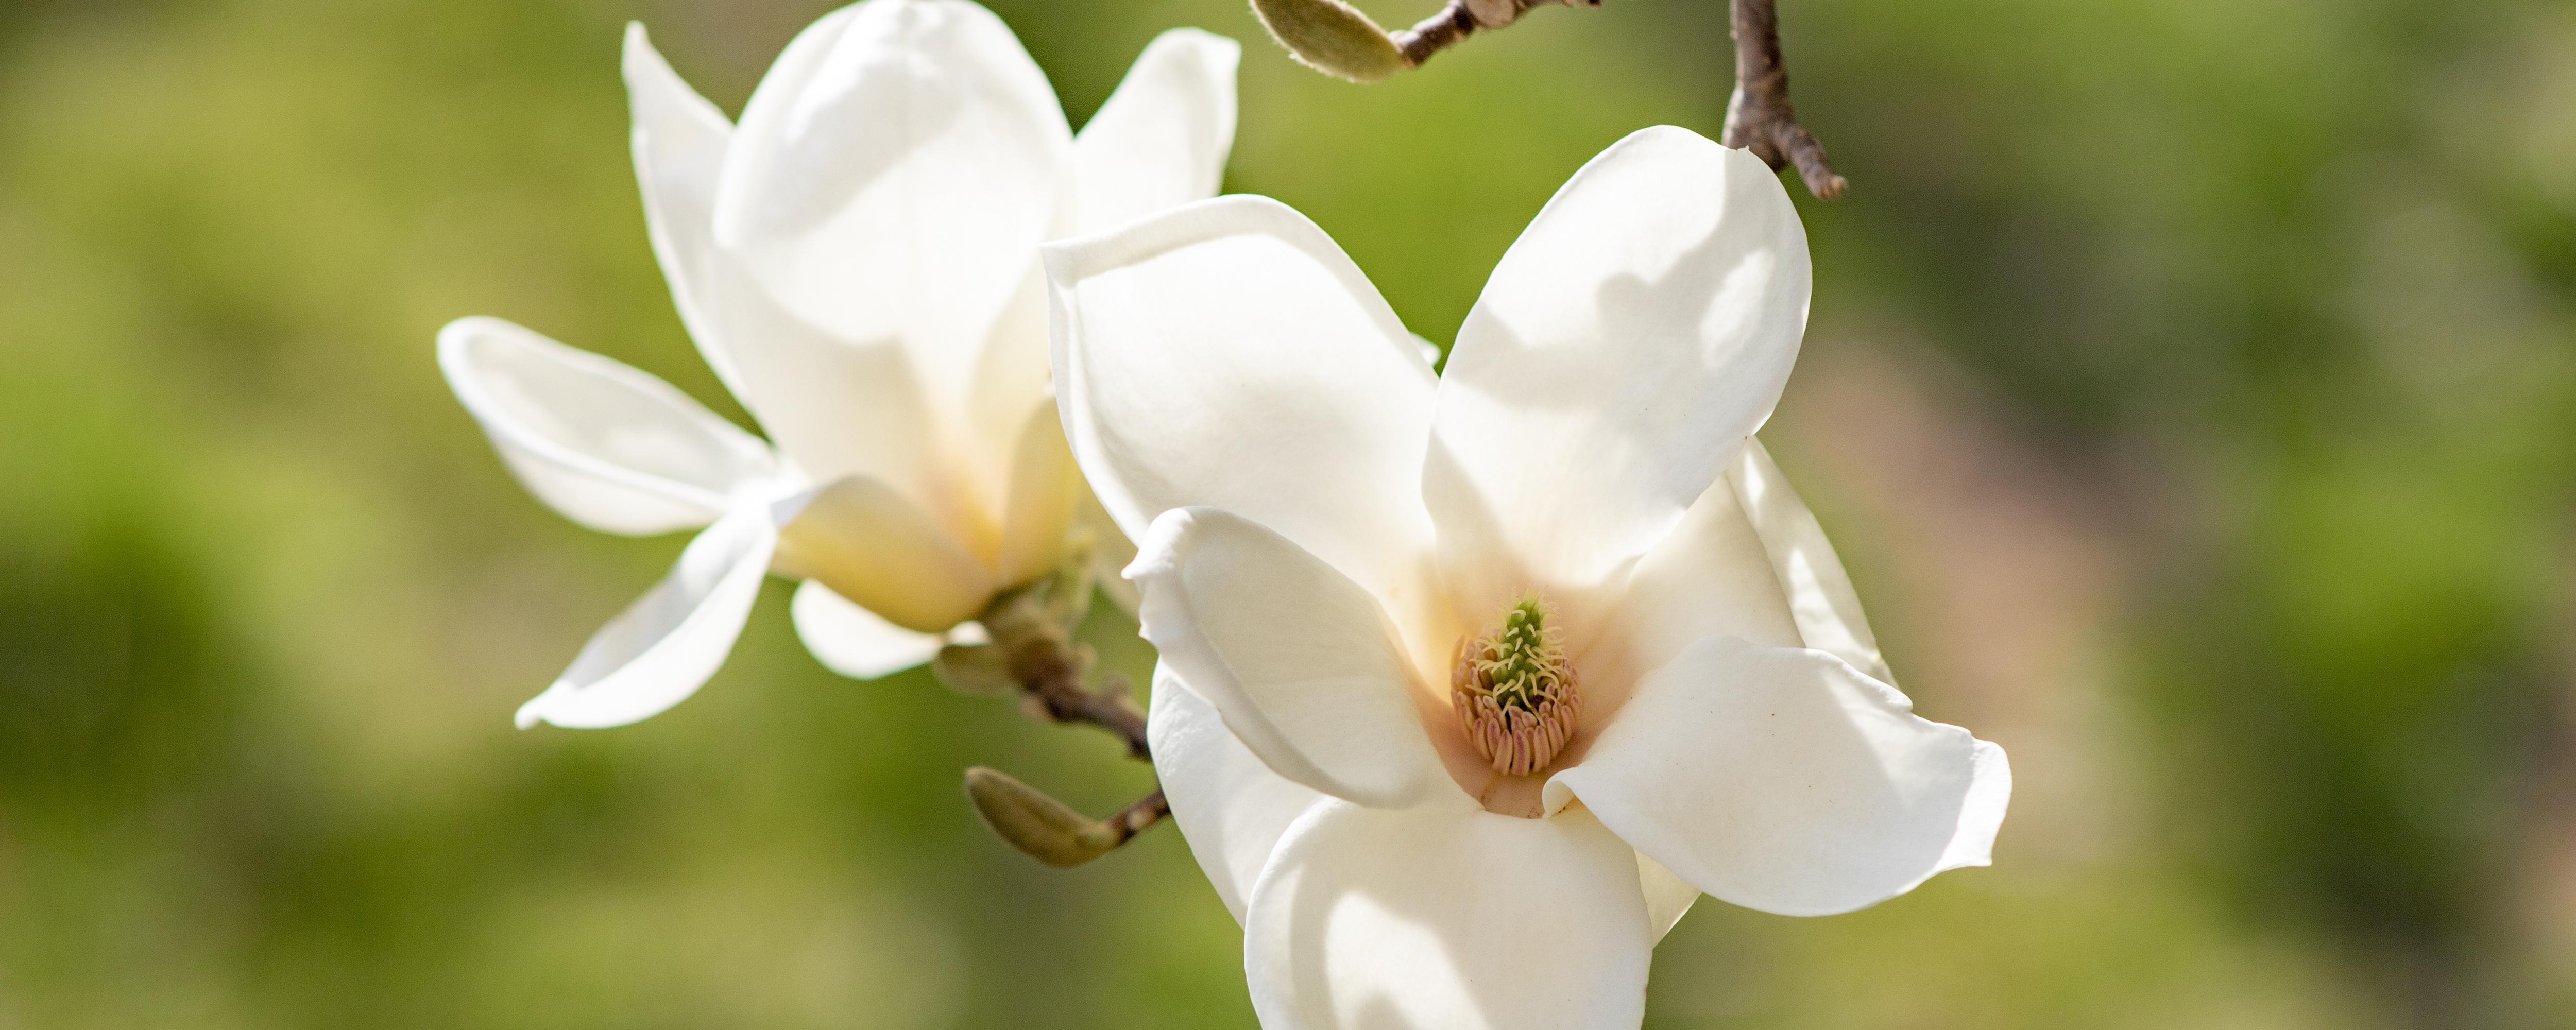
[2191, 388]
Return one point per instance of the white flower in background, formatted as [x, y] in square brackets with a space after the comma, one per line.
[858, 261]
[1472, 683]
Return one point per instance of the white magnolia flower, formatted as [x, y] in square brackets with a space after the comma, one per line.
[858, 261]
[1472, 683]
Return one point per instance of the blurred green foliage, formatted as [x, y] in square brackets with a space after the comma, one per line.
[2268, 304]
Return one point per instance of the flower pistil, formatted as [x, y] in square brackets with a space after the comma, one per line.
[1514, 691]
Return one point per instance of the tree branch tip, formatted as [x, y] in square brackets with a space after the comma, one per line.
[1758, 116]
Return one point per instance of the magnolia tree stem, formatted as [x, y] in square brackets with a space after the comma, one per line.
[1460, 20]
[1436, 33]
[1138, 817]
[1037, 649]
[1041, 657]
[1758, 117]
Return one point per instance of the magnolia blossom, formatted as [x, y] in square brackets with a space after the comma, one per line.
[1472, 683]
[858, 261]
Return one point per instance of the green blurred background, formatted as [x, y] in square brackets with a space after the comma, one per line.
[2190, 387]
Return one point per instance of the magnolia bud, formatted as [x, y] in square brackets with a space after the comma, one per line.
[1332, 37]
[1040, 826]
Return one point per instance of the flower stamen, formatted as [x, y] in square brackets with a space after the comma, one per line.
[1514, 691]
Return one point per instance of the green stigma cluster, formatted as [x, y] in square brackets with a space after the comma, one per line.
[1521, 660]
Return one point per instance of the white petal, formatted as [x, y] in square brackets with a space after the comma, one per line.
[1629, 341]
[1819, 592]
[1377, 919]
[869, 544]
[606, 444]
[1161, 140]
[1668, 896]
[1301, 661]
[1982, 816]
[1430, 351]
[1111, 553]
[1709, 577]
[663, 648]
[679, 141]
[1009, 382]
[1228, 354]
[1230, 806]
[1045, 492]
[892, 175]
[854, 641]
[834, 408]
[1782, 779]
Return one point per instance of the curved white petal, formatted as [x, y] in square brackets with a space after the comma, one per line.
[1111, 553]
[1981, 817]
[868, 543]
[1009, 381]
[1782, 779]
[840, 407]
[663, 648]
[1820, 593]
[834, 408]
[1430, 351]
[1161, 140]
[1710, 576]
[1231, 807]
[1302, 663]
[891, 176]
[1371, 919]
[854, 641]
[1628, 342]
[1228, 354]
[1044, 496]
[1668, 896]
[608, 445]
[679, 141]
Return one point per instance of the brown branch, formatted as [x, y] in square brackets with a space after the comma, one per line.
[1460, 20]
[1434, 34]
[1042, 659]
[1138, 817]
[1758, 117]
[1031, 636]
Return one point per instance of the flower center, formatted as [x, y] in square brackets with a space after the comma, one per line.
[1514, 692]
